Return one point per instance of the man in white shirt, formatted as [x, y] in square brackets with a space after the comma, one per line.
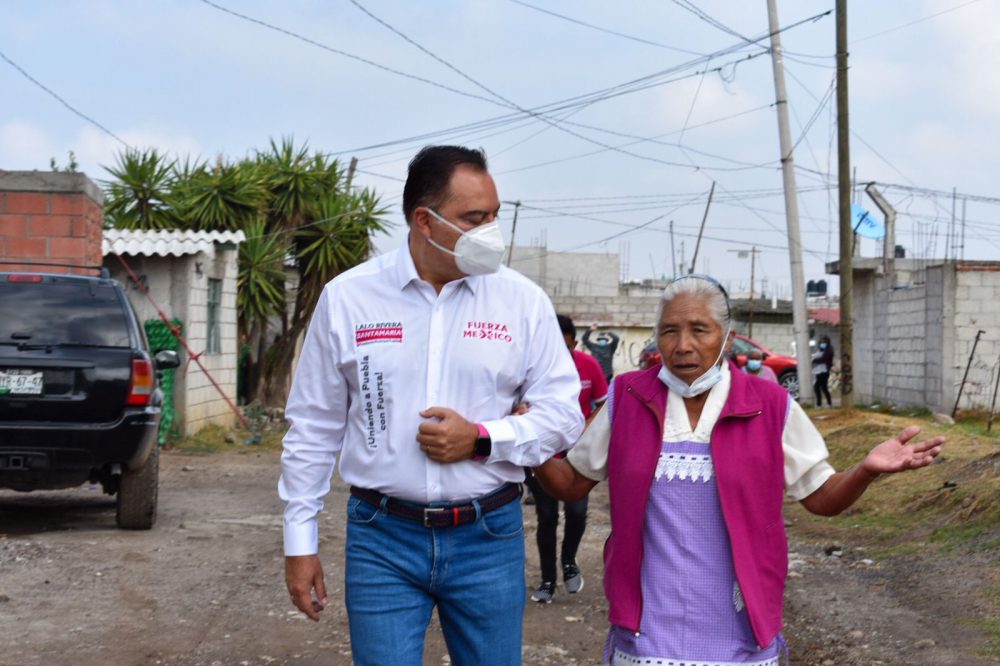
[410, 369]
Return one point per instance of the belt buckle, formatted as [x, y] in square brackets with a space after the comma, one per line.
[433, 510]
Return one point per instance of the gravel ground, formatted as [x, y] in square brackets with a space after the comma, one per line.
[205, 586]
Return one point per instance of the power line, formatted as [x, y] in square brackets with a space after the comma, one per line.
[606, 30]
[907, 25]
[941, 193]
[380, 175]
[345, 54]
[663, 231]
[628, 87]
[688, 6]
[508, 102]
[62, 101]
[435, 56]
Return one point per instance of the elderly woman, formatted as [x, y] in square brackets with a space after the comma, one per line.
[698, 457]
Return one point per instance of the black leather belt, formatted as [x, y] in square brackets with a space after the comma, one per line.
[447, 515]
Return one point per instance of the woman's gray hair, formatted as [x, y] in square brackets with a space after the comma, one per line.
[706, 288]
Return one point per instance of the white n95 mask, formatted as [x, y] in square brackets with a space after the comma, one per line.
[478, 251]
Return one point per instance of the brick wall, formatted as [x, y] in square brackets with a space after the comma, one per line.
[50, 217]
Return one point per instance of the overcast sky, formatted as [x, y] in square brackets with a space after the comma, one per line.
[594, 173]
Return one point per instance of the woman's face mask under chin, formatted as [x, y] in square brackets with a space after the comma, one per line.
[703, 383]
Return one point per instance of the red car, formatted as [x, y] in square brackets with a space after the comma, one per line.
[784, 367]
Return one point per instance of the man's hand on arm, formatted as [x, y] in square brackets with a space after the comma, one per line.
[303, 574]
[446, 436]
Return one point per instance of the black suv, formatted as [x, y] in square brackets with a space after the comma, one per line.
[79, 396]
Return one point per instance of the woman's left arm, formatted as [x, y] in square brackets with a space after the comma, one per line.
[893, 455]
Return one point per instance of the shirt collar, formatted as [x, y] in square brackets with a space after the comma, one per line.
[406, 271]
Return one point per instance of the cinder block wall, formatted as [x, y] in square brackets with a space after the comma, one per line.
[977, 292]
[50, 217]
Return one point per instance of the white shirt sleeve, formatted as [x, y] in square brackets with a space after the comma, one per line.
[589, 456]
[317, 411]
[552, 389]
[806, 466]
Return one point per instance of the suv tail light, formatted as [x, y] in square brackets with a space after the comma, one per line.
[141, 386]
[18, 277]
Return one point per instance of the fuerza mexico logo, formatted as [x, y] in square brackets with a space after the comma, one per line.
[487, 330]
[379, 331]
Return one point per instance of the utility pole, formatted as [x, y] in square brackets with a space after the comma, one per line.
[800, 320]
[753, 260]
[513, 230]
[846, 230]
[673, 253]
[704, 217]
[350, 173]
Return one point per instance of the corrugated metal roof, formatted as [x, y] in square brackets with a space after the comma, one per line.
[174, 242]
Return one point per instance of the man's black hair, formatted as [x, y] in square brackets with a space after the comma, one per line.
[430, 173]
[566, 325]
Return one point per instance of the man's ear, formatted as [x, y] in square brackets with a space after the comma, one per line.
[421, 221]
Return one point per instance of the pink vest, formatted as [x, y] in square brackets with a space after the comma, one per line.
[749, 467]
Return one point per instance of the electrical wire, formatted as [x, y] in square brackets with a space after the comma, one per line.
[907, 25]
[62, 101]
[339, 52]
[606, 30]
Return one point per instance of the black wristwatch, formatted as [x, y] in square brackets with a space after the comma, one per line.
[484, 445]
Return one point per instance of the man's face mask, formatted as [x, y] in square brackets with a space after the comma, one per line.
[478, 251]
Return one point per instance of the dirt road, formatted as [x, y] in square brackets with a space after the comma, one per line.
[205, 586]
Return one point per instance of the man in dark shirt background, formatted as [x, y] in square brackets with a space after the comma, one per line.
[602, 347]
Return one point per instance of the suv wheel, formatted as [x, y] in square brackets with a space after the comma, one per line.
[137, 491]
[790, 380]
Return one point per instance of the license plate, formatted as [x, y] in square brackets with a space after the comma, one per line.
[20, 382]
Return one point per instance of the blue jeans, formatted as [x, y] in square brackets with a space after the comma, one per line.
[397, 570]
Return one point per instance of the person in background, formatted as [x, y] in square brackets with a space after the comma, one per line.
[822, 363]
[410, 367]
[602, 347]
[593, 393]
[755, 366]
[698, 459]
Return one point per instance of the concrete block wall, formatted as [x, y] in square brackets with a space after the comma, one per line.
[912, 345]
[775, 336]
[568, 273]
[50, 217]
[977, 294]
[903, 380]
[939, 291]
[609, 311]
[203, 403]
[865, 340]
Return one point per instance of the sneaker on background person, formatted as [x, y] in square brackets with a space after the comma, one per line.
[544, 593]
[572, 578]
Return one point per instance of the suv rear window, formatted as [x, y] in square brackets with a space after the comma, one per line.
[87, 313]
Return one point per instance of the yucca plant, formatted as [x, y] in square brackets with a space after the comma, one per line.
[225, 197]
[141, 194]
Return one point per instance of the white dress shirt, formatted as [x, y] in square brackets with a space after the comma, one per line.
[805, 453]
[384, 346]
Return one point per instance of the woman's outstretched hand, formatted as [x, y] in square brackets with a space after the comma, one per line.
[898, 454]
